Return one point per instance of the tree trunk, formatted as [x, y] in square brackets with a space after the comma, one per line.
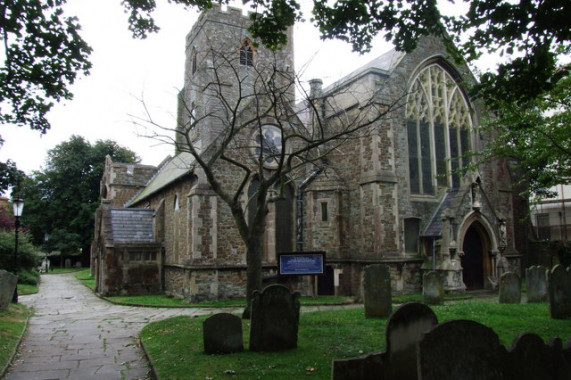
[253, 271]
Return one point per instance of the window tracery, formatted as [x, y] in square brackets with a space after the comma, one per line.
[438, 125]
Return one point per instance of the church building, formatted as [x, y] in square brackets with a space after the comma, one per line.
[392, 192]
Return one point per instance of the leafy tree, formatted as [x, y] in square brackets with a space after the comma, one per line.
[43, 53]
[536, 138]
[62, 198]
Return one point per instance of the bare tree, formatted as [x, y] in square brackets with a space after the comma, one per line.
[241, 122]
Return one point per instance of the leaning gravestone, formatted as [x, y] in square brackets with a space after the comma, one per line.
[7, 287]
[559, 285]
[432, 288]
[510, 288]
[377, 291]
[536, 284]
[405, 328]
[461, 349]
[222, 334]
[274, 319]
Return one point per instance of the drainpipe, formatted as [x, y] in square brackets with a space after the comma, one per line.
[300, 188]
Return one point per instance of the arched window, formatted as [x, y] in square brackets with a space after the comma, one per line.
[247, 53]
[438, 129]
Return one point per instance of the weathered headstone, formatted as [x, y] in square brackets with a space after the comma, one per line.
[405, 328]
[461, 349]
[432, 288]
[7, 287]
[67, 263]
[531, 359]
[536, 284]
[222, 334]
[274, 319]
[559, 285]
[377, 291]
[510, 288]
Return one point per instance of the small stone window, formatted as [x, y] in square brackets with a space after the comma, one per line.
[176, 203]
[324, 211]
[247, 53]
[143, 256]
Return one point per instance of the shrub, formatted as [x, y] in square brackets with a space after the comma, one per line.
[28, 259]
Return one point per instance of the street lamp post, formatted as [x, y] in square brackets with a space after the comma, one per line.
[18, 205]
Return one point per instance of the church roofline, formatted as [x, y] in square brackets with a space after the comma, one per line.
[171, 170]
[382, 65]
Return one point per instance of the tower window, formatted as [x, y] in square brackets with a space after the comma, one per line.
[246, 53]
[324, 212]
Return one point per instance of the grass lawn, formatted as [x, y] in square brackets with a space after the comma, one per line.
[12, 325]
[161, 300]
[176, 348]
[86, 278]
[25, 289]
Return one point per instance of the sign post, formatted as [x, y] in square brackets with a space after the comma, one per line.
[302, 263]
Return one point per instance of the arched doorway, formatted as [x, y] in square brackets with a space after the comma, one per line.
[476, 262]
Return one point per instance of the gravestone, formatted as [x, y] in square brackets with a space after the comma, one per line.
[559, 287]
[7, 287]
[405, 328]
[67, 263]
[432, 288]
[536, 284]
[274, 319]
[461, 349]
[510, 288]
[377, 291]
[531, 359]
[369, 367]
[222, 334]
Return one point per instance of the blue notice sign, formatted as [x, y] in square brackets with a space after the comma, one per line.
[300, 263]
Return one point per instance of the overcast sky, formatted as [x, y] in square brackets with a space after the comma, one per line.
[127, 70]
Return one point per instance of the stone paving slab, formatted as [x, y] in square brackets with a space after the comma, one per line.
[75, 335]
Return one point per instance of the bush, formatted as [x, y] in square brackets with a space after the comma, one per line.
[28, 259]
[28, 276]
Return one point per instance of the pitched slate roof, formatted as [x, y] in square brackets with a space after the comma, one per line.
[172, 170]
[383, 64]
[132, 225]
[434, 226]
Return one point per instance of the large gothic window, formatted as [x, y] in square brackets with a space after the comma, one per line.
[438, 129]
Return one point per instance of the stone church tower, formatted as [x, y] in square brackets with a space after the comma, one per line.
[390, 196]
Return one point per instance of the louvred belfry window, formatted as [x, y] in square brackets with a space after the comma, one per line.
[438, 130]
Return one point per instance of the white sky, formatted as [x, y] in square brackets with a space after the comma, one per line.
[126, 70]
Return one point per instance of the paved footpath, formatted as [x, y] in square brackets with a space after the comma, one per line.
[75, 335]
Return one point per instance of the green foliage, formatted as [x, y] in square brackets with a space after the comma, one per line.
[175, 344]
[43, 54]
[536, 137]
[28, 259]
[62, 198]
